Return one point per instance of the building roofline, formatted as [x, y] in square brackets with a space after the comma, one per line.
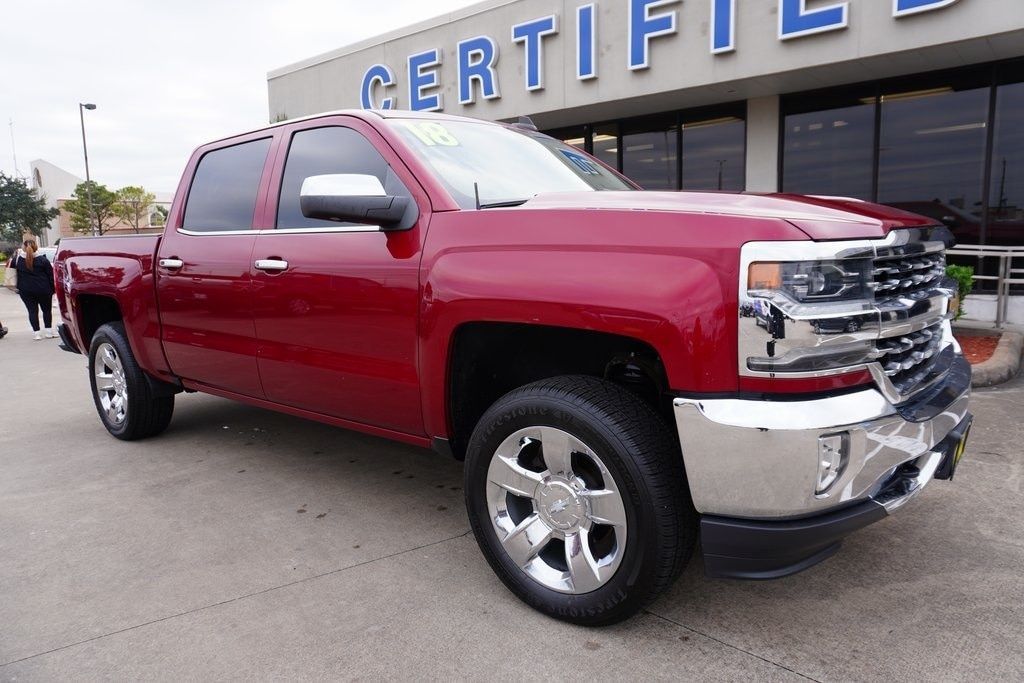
[419, 27]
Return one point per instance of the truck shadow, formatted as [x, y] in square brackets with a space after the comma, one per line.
[920, 575]
[221, 424]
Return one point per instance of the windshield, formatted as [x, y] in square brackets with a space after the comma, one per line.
[508, 166]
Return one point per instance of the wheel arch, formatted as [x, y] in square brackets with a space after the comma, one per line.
[93, 311]
[488, 359]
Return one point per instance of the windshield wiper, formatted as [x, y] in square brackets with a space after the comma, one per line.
[495, 205]
[498, 205]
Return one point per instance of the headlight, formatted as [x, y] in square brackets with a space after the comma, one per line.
[812, 281]
[817, 315]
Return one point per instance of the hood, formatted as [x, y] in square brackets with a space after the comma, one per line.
[820, 218]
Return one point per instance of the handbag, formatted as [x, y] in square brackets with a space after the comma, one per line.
[11, 275]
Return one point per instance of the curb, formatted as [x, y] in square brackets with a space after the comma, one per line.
[1004, 363]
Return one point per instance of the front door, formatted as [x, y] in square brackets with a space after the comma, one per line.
[336, 314]
[204, 282]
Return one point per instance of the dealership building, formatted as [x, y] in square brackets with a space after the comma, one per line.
[914, 103]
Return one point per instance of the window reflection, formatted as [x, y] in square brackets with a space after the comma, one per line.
[1006, 194]
[606, 144]
[714, 154]
[647, 148]
[830, 152]
[932, 155]
[649, 153]
[575, 136]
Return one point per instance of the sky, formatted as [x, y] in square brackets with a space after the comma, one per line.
[166, 76]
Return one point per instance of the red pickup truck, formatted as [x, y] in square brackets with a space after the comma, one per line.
[623, 372]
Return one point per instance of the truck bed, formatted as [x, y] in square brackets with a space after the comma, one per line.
[93, 269]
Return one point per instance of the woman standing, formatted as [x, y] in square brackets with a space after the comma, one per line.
[35, 287]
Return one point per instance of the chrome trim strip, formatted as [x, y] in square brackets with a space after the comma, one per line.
[216, 233]
[281, 231]
[305, 231]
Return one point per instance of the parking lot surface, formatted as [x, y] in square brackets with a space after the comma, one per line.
[247, 544]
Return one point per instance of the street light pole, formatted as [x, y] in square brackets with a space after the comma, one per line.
[85, 151]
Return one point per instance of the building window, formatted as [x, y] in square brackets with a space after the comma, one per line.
[828, 144]
[1006, 183]
[714, 154]
[698, 149]
[649, 155]
[931, 158]
[606, 144]
[575, 136]
[948, 145]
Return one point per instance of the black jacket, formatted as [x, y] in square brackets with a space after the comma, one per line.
[38, 279]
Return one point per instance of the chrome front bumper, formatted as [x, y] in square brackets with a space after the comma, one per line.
[758, 459]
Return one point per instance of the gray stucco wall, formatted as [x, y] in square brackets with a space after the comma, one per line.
[682, 71]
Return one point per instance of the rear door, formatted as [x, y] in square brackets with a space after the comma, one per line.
[204, 281]
[337, 326]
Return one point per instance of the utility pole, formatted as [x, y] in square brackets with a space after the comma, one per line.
[85, 151]
[14, 152]
[1002, 190]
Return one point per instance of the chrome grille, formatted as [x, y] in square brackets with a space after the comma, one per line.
[908, 273]
[906, 360]
[910, 294]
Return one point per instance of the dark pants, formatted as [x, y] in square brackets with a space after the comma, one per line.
[33, 302]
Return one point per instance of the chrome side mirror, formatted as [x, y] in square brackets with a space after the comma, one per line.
[355, 198]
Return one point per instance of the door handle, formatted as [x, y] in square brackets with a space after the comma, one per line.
[271, 264]
[171, 263]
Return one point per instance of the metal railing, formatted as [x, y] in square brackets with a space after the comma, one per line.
[1006, 274]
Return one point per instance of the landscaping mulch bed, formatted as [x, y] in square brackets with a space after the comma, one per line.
[977, 349]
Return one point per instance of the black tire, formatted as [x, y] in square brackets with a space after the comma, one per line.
[146, 415]
[642, 454]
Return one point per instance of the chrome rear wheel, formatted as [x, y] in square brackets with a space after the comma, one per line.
[131, 404]
[111, 386]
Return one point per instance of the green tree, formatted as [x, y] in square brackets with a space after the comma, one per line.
[21, 210]
[100, 214]
[133, 206]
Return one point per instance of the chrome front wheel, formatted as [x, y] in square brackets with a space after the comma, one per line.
[577, 496]
[556, 509]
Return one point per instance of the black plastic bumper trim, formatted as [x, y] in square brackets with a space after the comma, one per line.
[752, 549]
[948, 447]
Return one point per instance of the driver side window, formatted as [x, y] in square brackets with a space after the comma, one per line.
[321, 151]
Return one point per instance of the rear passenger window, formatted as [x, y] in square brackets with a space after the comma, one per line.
[224, 189]
[321, 151]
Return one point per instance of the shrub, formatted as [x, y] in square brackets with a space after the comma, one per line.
[964, 282]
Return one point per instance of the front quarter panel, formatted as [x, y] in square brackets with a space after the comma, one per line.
[664, 278]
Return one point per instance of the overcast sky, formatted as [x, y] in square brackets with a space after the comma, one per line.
[166, 75]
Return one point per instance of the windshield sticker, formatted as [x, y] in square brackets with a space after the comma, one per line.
[582, 163]
[431, 133]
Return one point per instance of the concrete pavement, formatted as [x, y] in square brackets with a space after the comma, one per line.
[246, 544]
